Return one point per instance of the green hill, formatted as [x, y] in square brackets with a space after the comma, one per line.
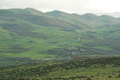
[86, 21]
[90, 16]
[39, 20]
[90, 69]
[28, 11]
[69, 18]
[109, 19]
[31, 38]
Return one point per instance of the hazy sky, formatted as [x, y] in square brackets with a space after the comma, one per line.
[71, 6]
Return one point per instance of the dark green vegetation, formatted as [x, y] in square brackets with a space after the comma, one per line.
[29, 36]
[89, 69]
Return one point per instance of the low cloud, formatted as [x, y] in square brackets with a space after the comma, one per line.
[71, 6]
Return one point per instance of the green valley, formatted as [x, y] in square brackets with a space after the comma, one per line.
[29, 37]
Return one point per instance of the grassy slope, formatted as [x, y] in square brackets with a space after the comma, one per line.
[69, 18]
[24, 37]
[102, 68]
[28, 11]
[35, 42]
[86, 21]
[39, 20]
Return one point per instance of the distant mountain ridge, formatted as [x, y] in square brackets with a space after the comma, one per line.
[36, 19]
[90, 16]
[114, 14]
[62, 19]
[88, 21]
[28, 11]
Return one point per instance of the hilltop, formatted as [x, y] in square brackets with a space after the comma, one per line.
[86, 21]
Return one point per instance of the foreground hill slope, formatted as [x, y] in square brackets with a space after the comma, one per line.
[90, 69]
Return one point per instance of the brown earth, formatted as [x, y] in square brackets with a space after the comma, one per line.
[77, 58]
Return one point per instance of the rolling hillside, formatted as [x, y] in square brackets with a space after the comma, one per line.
[90, 69]
[39, 20]
[86, 21]
[69, 18]
[28, 36]
[28, 11]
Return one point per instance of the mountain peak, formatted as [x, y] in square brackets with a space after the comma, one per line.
[58, 11]
[28, 10]
[90, 16]
[54, 13]
[106, 16]
[32, 9]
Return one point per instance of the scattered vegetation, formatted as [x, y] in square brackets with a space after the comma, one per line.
[29, 37]
[89, 69]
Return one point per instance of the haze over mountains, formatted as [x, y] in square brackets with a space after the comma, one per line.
[114, 14]
[71, 20]
[56, 35]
